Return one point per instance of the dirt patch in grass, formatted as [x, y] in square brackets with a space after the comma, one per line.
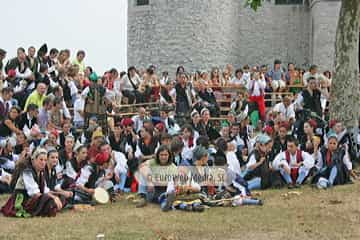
[312, 214]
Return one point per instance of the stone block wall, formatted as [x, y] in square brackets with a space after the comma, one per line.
[200, 34]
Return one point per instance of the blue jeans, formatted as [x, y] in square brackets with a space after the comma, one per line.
[303, 172]
[333, 175]
[250, 201]
[73, 98]
[330, 181]
[254, 184]
[121, 186]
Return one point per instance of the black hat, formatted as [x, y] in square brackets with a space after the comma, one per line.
[2, 51]
[43, 49]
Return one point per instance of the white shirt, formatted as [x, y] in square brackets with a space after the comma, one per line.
[10, 105]
[31, 186]
[238, 141]
[317, 76]
[125, 83]
[308, 160]
[70, 171]
[187, 152]
[286, 112]
[79, 105]
[251, 161]
[237, 81]
[163, 80]
[246, 77]
[346, 160]
[117, 87]
[138, 122]
[171, 129]
[73, 88]
[120, 162]
[27, 73]
[259, 85]
[4, 175]
[233, 162]
[84, 175]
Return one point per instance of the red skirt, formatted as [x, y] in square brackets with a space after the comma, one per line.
[42, 205]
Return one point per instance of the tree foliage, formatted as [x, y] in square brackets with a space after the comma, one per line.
[254, 4]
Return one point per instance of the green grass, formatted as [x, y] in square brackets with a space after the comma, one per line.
[330, 214]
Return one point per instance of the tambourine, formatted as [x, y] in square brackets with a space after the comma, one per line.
[101, 196]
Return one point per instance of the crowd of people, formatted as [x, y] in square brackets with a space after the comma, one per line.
[63, 134]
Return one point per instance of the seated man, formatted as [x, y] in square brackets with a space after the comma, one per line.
[276, 77]
[207, 99]
[139, 119]
[170, 124]
[285, 109]
[294, 164]
[259, 173]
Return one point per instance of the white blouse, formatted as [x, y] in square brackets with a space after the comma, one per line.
[31, 185]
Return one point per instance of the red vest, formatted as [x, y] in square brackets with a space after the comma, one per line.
[298, 156]
[294, 171]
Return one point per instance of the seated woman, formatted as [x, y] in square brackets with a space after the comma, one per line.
[147, 144]
[333, 164]
[197, 125]
[66, 154]
[189, 141]
[9, 127]
[73, 167]
[31, 195]
[162, 192]
[93, 175]
[7, 158]
[21, 143]
[211, 132]
[307, 140]
[117, 139]
[176, 147]
[51, 177]
[206, 98]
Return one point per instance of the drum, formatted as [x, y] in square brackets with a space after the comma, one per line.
[101, 196]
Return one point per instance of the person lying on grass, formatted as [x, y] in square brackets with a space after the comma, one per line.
[234, 189]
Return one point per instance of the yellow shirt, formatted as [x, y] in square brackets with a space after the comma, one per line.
[80, 64]
[34, 98]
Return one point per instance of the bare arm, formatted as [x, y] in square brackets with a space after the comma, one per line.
[12, 126]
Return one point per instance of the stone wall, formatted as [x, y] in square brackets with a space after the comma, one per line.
[324, 19]
[200, 34]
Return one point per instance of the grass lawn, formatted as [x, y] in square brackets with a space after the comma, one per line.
[315, 214]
